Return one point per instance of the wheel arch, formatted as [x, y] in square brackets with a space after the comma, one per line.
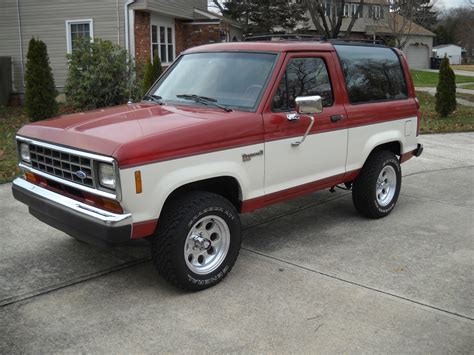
[225, 185]
[391, 142]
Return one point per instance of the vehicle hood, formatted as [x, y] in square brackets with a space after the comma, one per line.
[139, 133]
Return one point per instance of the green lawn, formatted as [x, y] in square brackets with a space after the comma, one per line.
[429, 79]
[469, 87]
[468, 97]
[461, 120]
[11, 119]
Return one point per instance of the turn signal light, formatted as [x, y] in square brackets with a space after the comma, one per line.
[30, 177]
[138, 182]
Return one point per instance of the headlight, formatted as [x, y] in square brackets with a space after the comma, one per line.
[107, 175]
[25, 152]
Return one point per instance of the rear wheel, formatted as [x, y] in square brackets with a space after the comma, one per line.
[376, 189]
[197, 240]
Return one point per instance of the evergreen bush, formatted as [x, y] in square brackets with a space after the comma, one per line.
[40, 91]
[446, 89]
[147, 76]
[99, 75]
[157, 69]
[151, 73]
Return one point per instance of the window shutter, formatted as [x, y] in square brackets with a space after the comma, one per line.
[371, 11]
[381, 11]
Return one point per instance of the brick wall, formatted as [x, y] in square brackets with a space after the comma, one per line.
[142, 37]
[188, 35]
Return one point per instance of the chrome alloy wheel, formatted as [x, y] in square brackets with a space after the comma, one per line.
[386, 185]
[207, 245]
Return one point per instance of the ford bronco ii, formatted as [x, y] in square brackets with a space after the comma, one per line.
[227, 129]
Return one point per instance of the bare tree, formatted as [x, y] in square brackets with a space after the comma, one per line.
[217, 4]
[404, 15]
[327, 16]
[400, 26]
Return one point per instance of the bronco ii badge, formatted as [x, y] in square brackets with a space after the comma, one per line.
[247, 157]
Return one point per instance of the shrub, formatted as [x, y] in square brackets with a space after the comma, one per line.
[99, 75]
[151, 73]
[40, 91]
[446, 89]
[147, 76]
[156, 69]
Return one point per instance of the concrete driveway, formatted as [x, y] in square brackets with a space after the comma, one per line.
[313, 277]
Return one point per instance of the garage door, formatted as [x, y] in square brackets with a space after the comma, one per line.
[418, 57]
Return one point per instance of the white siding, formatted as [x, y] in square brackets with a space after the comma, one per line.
[46, 20]
[183, 9]
[9, 39]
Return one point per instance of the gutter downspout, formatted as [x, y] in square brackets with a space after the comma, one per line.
[21, 45]
[127, 29]
[127, 46]
[118, 23]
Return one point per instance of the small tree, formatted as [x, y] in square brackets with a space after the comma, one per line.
[98, 74]
[157, 69]
[151, 73]
[147, 76]
[40, 91]
[446, 89]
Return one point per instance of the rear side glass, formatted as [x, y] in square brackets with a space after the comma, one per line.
[372, 74]
[303, 77]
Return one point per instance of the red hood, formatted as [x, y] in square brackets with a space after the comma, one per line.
[140, 133]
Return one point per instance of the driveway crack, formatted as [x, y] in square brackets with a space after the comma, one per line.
[338, 278]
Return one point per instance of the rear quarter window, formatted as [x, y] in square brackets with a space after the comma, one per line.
[372, 74]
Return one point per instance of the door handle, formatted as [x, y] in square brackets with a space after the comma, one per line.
[336, 118]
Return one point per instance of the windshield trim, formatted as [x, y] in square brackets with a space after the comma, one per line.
[235, 108]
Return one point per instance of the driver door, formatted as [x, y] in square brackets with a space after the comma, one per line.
[322, 156]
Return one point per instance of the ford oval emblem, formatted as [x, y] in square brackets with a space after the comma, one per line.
[80, 174]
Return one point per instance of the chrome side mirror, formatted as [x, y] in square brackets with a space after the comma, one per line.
[309, 105]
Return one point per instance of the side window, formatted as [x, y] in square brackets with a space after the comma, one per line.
[76, 30]
[163, 43]
[372, 74]
[303, 77]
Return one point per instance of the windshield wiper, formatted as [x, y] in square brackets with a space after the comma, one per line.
[204, 100]
[154, 98]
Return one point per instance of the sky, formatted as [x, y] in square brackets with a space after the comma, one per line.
[455, 3]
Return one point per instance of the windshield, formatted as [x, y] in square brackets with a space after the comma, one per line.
[231, 79]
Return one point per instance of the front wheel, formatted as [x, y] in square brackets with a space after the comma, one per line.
[197, 241]
[376, 189]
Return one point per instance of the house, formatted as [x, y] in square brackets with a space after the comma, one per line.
[146, 28]
[452, 51]
[374, 21]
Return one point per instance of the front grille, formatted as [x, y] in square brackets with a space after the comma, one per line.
[62, 165]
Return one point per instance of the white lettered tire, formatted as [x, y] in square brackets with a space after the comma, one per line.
[376, 189]
[197, 240]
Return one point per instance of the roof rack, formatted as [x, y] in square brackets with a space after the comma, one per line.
[285, 37]
[355, 41]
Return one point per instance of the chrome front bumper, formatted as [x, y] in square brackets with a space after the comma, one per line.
[78, 219]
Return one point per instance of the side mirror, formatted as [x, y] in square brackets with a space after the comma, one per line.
[309, 105]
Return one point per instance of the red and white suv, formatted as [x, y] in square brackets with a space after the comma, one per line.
[227, 129]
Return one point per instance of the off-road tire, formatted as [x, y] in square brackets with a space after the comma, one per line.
[364, 194]
[176, 221]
